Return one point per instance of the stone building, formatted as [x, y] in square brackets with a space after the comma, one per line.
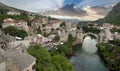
[8, 40]
[21, 24]
[102, 36]
[39, 39]
[2, 62]
[16, 59]
[13, 13]
[8, 22]
[14, 55]
[63, 35]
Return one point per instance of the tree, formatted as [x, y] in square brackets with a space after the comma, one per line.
[91, 29]
[39, 30]
[71, 39]
[14, 31]
[113, 30]
[62, 24]
[110, 55]
[57, 38]
[61, 63]
[43, 25]
[65, 49]
[52, 29]
[43, 58]
[22, 33]
[46, 62]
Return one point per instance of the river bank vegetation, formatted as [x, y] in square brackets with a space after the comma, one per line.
[111, 54]
[66, 48]
[48, 62]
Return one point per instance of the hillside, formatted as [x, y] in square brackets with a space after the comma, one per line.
[6, 8]
[113, 16]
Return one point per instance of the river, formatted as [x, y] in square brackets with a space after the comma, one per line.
[86, 58]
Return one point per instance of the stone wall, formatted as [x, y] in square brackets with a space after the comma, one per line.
[2, 66]
[11, 67]
[30, 68]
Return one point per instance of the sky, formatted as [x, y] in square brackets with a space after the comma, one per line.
[44, 5]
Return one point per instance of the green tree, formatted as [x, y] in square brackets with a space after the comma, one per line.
[39, 30]
[14, 31]
[62, 24]
[57, 38]
[71, 39]
[91, 29]
[65, 49]
[52, 29]
[111, 55]
[61, 63]
[22, 33]
[43, 25]
[113, 30]
[43, 58]
[46, 62]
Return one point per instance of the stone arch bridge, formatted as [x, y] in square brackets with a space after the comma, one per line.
[81, 36]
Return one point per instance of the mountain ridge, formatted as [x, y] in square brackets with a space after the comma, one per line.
[86, 13]
[113, 16]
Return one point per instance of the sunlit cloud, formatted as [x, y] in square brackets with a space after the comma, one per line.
[33, 5]
[93, 8]
[43, 5]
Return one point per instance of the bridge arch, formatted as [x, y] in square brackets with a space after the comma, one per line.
[93, 35]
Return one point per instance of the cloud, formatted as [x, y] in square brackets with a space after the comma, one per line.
[43, 5]
[33, 5]
[97, 2]
[88, 10]
[94, 8]
[60, 2]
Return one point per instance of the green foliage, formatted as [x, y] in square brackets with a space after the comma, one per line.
[113, 30]
[62, 24]
[65, 49]
[13, 31]
[39, 30]
[57, 38]
[71, 39]
[45, 34]
[43, 58]
[43, 25]
[1, 21]
[52, 29]
[61, 63]
[91, 29]
[3, 11]
[2, 17]
[16, 17]
[115, 42]
[115, 20]
[111, 55]
[50, 18]
[46, 62]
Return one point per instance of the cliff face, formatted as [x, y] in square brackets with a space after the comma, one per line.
[113, 16]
